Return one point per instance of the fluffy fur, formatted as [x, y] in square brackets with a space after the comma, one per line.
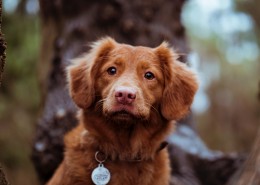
[128, 97]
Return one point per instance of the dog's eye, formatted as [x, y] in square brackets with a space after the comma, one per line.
[111, 71]
[149, 76]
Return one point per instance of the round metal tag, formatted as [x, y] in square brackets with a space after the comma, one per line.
[100, 175]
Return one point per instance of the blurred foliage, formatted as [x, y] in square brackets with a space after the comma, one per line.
[19, 97]
[228, 56]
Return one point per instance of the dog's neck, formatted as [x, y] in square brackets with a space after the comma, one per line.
[138, 141]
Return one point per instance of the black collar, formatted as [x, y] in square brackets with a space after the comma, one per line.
[163, 145]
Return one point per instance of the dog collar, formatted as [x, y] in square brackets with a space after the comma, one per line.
[138, 158]
[101, 175]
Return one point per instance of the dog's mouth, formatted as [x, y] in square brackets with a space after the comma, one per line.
[122, 115]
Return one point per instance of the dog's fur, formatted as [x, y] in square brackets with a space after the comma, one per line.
[129, 129]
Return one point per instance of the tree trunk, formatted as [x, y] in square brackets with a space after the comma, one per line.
[2, 46]
[67, 27]
[3, 180]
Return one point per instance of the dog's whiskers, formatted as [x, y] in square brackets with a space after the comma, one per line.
[99, 104]
[152, 107]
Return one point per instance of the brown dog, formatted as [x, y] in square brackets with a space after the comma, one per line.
[128, 97]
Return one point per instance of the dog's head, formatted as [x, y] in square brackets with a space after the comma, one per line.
[126, 82]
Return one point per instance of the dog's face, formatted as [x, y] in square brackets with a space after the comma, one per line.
[127, 83]
[130, 83]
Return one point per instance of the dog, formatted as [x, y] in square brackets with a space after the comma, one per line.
[129, 99]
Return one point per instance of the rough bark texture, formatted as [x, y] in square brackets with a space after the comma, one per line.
[67, 28]
[2, 46]
[3, 180]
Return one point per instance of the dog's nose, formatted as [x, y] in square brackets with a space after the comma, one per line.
[125, 95]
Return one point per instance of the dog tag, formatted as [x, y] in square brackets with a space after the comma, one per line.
[100, 175]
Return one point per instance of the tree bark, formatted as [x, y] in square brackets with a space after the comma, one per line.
[2, 47]
[3, 180]
[67, 27]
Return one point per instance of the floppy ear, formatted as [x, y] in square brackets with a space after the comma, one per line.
[81, 74]
[180, 84]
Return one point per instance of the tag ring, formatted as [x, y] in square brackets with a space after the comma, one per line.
[97, 159]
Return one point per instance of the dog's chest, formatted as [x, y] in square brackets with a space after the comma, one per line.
[131, 173]
[127, 173]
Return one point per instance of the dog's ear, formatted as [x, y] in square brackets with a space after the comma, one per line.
[180, 84]
[81, 74]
